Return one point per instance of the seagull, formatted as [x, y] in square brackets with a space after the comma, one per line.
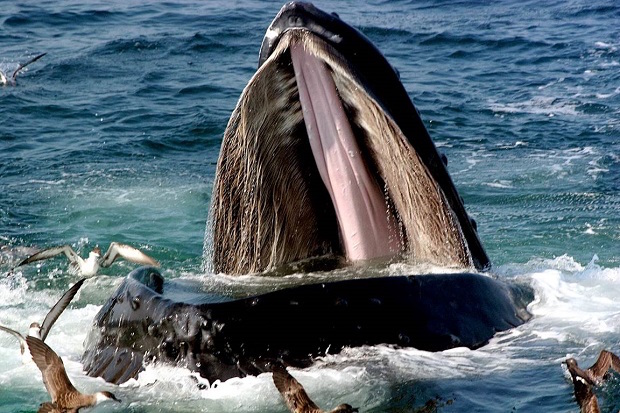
[594, 374]
[41, 331]
[90, 266]
[583, 380]
[585, 396]
[6, 80]
[65, 397]
[296, 397]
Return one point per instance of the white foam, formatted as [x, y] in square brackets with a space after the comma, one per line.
[604, 45]
[517, 144]
[46, 182]
[574, 302]
[538, 105]
[615, 92]
[502, 183]
[589, 229]
[177, 388]
[584, 301]
[552, 83]
[15, 286]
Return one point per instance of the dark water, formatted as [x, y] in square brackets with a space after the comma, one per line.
[114, 136]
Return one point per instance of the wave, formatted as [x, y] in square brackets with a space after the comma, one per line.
[39, 17]
[575, 311]
[455, 40]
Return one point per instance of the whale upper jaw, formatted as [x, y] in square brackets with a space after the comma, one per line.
[278, 199]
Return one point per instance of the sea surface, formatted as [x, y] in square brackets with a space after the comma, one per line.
[114, 136]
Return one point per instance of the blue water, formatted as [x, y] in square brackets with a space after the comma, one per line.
[114, 136]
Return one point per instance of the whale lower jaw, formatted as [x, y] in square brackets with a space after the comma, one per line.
[141, 325]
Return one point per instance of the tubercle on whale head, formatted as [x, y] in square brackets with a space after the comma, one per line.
[300, 15]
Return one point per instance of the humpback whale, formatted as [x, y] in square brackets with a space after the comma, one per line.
[343, 176]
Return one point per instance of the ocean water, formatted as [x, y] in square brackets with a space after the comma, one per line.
[114, 136]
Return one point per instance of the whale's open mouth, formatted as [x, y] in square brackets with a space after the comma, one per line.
[325, 155]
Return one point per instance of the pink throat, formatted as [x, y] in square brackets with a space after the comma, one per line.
[366, 228]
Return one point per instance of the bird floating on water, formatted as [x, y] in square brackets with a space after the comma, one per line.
[90, 266]
[41, 331]
[583, 380]
[65, 397]
[11, 80]
[296, 397]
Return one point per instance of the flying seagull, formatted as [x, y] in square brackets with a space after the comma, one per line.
[6, 80]
[584, 380]
[296, 397]
[586, 398]
[594, 374]
[41, 331]
[90, 266]
[65, 397]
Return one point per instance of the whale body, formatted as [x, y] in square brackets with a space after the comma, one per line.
[240, 337]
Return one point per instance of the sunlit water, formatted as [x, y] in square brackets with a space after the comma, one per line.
[114, 136]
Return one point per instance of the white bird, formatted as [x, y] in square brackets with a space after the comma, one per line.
[41, 331]
[90, 266]
[6, 80]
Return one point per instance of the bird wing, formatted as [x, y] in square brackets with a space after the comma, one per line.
[52, 368]
[52, 252]
[615, 362]
[58, 308]
[23, 65]
[22, 340]
[127, 252]
[584, 395]
[48, 407]
[605, 361]
[292, 391]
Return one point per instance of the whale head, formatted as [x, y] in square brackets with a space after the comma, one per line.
[325, 155]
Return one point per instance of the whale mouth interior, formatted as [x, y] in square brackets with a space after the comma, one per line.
[366, 221]
[321, 169]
